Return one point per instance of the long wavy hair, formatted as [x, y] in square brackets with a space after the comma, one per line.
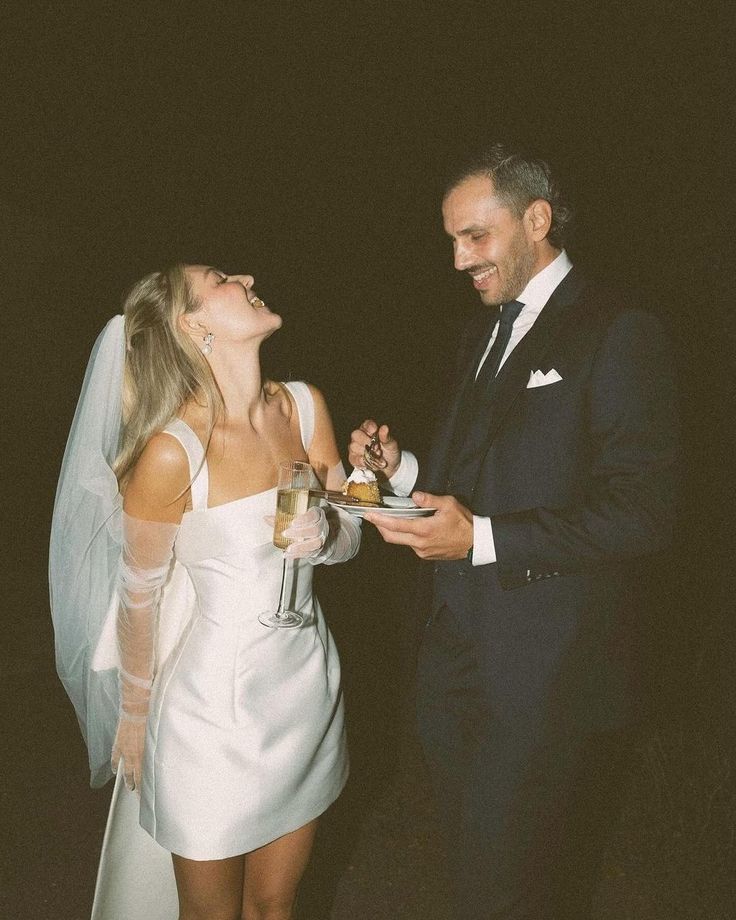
[163, 367]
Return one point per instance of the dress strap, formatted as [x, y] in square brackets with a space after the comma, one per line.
[305, 407]
[197, 464]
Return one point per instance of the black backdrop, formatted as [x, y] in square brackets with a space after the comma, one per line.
[132, 140]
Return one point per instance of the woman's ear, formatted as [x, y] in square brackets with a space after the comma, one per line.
[190, 324]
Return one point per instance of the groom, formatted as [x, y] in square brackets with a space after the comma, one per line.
[553, 472]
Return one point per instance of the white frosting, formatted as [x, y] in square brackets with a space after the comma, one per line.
[362, 476]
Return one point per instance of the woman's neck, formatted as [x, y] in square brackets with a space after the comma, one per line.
[238, 375]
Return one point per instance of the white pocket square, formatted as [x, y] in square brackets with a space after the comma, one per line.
[538, 379]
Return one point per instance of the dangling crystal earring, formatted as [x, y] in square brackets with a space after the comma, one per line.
[208, 339]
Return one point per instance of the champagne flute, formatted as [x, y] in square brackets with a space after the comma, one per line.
[292, 499]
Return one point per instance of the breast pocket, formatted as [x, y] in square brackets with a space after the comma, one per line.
[544, 389]
[543, 427]
[540, 401]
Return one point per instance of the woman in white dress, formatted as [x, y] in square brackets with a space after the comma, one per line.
[231, 733]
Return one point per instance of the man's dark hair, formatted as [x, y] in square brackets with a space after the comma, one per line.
[518, 180]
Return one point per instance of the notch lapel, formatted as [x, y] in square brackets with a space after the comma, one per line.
[474, 342]
[530, 352]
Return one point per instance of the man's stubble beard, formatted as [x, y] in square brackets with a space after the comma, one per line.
[521, 261]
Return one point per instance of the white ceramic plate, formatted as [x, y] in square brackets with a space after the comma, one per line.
[393, 506]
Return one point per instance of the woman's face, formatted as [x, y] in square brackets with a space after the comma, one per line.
[229, 307]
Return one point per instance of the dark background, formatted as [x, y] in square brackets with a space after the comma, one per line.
[307, 147]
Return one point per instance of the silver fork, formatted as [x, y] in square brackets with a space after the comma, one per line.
[374, 461]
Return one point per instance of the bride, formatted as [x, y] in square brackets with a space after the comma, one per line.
[227, 737]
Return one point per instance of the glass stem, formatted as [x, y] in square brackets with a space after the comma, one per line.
[280, 610]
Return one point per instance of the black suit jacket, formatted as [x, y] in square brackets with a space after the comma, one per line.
[579, 479]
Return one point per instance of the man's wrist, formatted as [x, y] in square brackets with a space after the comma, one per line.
[389, 471]
[403, 479]
[484, 549]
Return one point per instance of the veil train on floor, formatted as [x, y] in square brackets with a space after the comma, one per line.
[135, 878]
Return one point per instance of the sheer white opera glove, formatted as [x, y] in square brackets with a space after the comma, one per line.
[144, 569]
[342, 539]
[325, 536]
[308, 533]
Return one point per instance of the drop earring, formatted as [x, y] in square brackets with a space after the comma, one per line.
[208, 339]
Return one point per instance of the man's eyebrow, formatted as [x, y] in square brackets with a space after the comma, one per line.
[466, 231]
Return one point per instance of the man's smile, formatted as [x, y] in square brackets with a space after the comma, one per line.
[481, 275]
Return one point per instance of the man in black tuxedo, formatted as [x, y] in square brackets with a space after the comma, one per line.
[553, 472]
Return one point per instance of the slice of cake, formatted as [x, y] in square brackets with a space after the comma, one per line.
[362, 484]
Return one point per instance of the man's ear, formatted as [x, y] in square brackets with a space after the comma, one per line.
[538, 219]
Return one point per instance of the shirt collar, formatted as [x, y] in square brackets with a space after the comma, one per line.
[540, 288]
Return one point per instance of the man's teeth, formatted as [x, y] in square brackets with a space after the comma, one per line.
[482, 276]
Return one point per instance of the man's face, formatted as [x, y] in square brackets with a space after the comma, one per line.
[491, 244]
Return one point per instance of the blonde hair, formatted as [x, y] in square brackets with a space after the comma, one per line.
[163, 367]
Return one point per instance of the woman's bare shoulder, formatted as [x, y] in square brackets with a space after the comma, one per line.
[164, 455]
[159, 482]
[320, 403]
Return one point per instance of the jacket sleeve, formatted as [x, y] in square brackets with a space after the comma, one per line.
[633, 443]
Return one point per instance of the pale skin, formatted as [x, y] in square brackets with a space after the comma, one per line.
[260, 430]
[501, 252]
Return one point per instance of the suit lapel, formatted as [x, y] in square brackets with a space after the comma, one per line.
[474, 342]
[511, 379]
[529, 353]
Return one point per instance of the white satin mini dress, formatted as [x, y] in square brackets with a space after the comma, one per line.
[245, 734]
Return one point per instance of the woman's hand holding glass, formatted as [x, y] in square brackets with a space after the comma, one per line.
[308, 534]
[292, 501]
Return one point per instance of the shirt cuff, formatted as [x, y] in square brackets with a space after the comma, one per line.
[484, 547]
[403, 480]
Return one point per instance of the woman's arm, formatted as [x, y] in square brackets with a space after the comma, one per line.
[158, 487]
[324, 457]
[324, 536]
[153, 505]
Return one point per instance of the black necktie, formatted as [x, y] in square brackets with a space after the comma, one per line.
[469, 435]
[487, 373]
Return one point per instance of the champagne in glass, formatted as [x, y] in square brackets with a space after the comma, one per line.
[292, 499]
[289, 504]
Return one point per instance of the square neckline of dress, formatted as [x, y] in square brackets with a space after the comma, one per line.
[233, 501]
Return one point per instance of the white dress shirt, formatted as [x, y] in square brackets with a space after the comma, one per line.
[534, 296]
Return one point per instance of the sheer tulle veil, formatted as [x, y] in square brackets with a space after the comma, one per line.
[85, 546]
